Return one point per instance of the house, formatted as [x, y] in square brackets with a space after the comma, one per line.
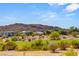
[27, 32]
[38, 33]
[8, 33]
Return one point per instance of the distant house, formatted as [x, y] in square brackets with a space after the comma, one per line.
[8, 33]
[27, 32]
[38, 33]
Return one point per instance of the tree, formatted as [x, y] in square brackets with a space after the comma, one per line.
[54, 35]
[73, 29]
[31, 34]
[20, 34]
[63, 32]
[75, 34]
[47, 32]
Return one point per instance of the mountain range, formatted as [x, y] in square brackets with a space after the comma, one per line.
[27, 27]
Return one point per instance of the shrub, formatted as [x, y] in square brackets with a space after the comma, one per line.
[18, 48]
[63, 32]
[47, 32]
[70, 52]
[75, 44]
[14, 38]
[53, 47]
[75, 34]
[7, 41]
[23, 47]
[63, 45]
[54, 35]
[45, 45]
[9, 46]
[1, 46]
[39, 45]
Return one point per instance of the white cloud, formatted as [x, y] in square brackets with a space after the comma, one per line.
[51, 4]
[70, 14]
[61, 3]
[72, 7]
[56, 4]
[10, 17]
[48, 16]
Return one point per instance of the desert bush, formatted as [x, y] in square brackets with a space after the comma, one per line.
[33, 45]
[23, 46]
[53, 46]
[44, 48]
[63, 45]
[36, 44]
[54, 35]
[47, 32]
[45, 45]
[14, 38]
[9, 46]
[75, 34]
[63, 32]
[39, 45]
[1, 46]
[7, 41]
[75, 44]
[18, 48]
[70, 52]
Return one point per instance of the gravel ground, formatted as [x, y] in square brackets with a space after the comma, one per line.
[31, 53]
[27, 53]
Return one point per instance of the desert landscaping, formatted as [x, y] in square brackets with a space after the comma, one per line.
[57, 42]
[39, 29]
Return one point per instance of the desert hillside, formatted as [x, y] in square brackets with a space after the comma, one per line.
[27, 27]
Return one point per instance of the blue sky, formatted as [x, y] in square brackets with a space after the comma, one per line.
[53, 14]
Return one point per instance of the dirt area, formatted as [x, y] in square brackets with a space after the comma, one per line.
[32, 53]
[29, 53]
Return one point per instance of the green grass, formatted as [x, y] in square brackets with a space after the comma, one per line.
[32, 45]
[20, 43]
[68, 41]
